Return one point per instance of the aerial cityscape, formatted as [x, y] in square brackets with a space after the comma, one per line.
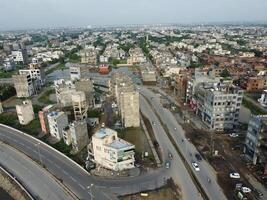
[117, 100]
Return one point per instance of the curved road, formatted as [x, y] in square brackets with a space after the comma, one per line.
[74, 177]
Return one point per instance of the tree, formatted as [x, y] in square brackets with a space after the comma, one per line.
[225, 73]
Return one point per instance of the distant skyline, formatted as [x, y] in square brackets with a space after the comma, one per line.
[26, 14]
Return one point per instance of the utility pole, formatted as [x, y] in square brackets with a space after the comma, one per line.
[39, 153]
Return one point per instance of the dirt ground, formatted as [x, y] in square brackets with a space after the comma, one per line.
[227, 160]
[168, 192]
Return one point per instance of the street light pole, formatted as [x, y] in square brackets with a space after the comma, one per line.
[90, 188]
[39, 153]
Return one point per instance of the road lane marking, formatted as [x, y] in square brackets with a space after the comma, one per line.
[81, 186]
[73, 179]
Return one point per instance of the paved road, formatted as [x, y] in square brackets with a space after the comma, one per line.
[24, 169]
[188, 150]
[177, 169]
[75, 178]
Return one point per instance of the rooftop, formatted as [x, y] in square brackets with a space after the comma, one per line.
[103, 132]
[119, 144]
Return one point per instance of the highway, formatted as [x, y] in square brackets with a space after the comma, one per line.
[74, 177]
[24, 169]
[177, 169]
[188, 150]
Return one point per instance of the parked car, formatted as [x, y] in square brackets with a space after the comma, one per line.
[198, 157]
[234, 175]
[195, 166]
[154, 123]
[167, 164]
[246, 189]
[233, 135]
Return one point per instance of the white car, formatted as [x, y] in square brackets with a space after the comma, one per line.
[234, 175]
[195, 166]
[233, 135]
[246, 189]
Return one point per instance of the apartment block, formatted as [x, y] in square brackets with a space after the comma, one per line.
[24, 85]
[42, 114]
[256, 141]
[86, 86]
[112, 152]
[25, 112]
[35, 74]
[80, 106]
[64, 90]
[57, 121]
[76, 134]
[89, 56]
[218, 105]
[129, 108]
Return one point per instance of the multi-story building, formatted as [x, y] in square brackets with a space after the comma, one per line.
[127, 99]
[36, 74]
[199, 77]
[76, 134]
[129, 108]
[218, 105]
[180, 84]
[86, 86]
[80, 106]
[25, 112]
[64, 90]
[256, 141]
[43, 117]
[263, 99]
[24, 85]
[254, 83]
[20, 56]
[112, 152]
[57, 121]
[9, 64]
[89, 56]
[149, 76]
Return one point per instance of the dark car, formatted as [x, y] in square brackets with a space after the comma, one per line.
[198, 157]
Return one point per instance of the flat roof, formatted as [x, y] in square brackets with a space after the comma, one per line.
[103, 132]
[119, 144]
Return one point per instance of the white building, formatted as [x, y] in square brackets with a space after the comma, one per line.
[9, 64]
[112, 152]
[25, 112]
[20, 56]
[57, 122]
[263, 99]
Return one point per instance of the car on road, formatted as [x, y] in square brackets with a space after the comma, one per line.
[154, 123]
[167, 164]
[234, 175]
[198, 157]
[257, 193]
[195, 166]
[246, 189]
[233, 135]
[170, 156]
[175, 128]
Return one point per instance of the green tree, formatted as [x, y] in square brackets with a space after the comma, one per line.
[225, 73]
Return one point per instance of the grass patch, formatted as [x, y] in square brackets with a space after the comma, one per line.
[44, 98]
[256, 110]
[11, 119]
[7, 74]
[94, 113]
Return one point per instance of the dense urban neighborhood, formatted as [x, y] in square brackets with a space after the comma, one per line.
[136, 112]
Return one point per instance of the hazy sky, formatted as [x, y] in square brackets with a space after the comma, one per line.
[51, 13]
